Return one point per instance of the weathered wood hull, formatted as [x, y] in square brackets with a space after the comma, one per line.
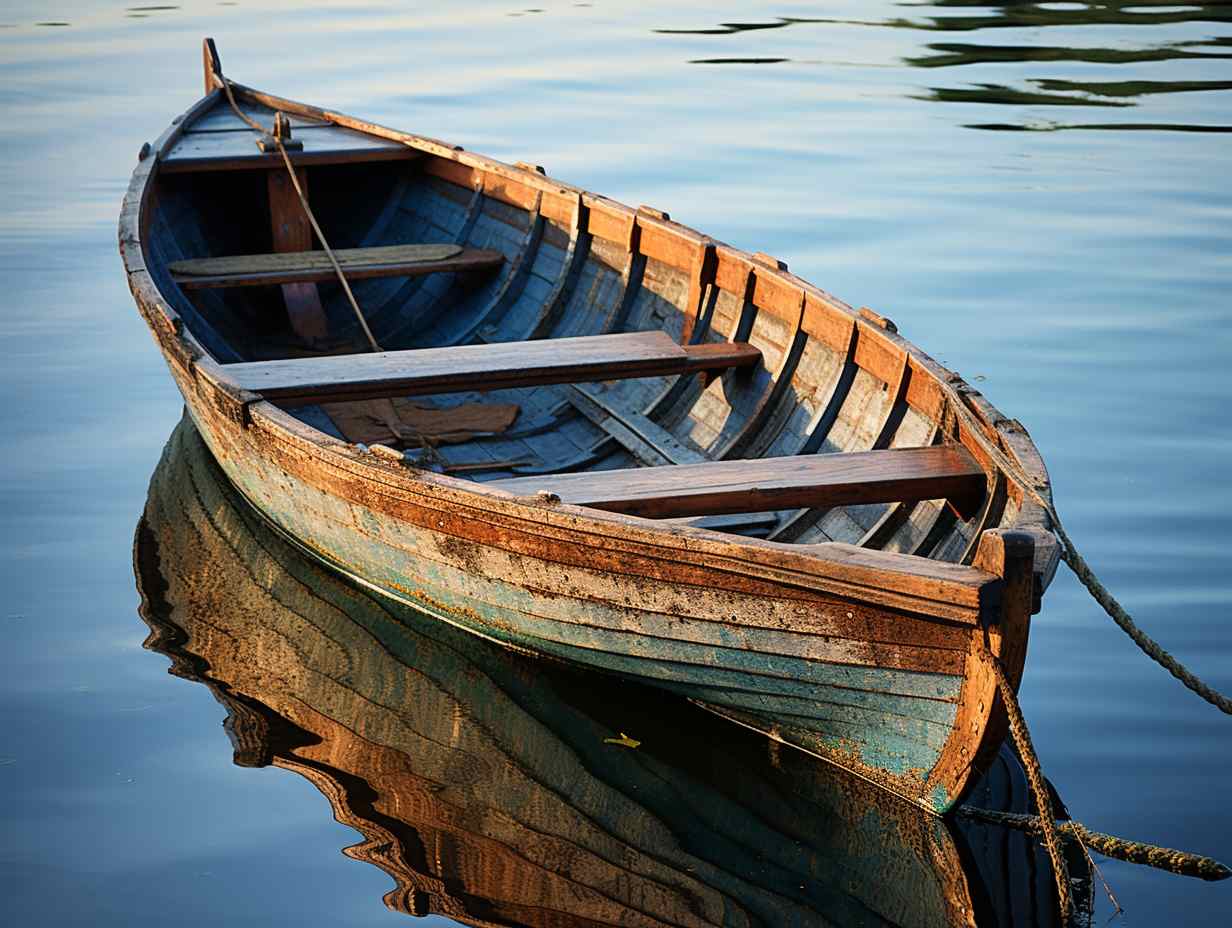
[884, 708]
[483, 782]
[865, 653]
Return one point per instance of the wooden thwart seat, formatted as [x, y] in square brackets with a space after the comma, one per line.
[312, 266]
[485, 367]
[202, 148]
[764, 484]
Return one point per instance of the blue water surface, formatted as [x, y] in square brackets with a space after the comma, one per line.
[1038, 194]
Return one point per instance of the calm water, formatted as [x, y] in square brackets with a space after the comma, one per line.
[1038, 194]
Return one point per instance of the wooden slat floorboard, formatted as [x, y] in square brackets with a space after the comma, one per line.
[648, 441]
[484, 367]
[765, 484]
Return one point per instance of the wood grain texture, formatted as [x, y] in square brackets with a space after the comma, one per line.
[764, 484]
[292, 232]
[426, 209]
[314, 266]
[323, 144]
[467, 367]
[646, 439]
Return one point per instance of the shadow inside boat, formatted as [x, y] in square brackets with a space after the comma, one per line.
[496, 789]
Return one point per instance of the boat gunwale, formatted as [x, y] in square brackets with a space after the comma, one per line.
[958, 593]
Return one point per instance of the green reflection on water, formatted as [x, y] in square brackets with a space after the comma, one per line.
[1034, 15]
[1040, 91]
[954, 54]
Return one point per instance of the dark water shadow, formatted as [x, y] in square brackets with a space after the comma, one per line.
[734, 28]
[1019, 15]
[1042, 91]
[738, 60]
[958, 54]
[1095, 126]
[497, 789]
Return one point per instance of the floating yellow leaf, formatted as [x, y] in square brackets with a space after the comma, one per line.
[624, 741]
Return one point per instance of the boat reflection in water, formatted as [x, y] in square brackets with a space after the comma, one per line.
[500, 790]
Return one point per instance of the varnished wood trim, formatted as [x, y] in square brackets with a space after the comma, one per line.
[981, 723]
[701, 278]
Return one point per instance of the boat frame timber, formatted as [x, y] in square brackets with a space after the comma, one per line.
[285, 467]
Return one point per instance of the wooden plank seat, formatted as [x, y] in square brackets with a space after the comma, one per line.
[322, 144]
[484, 367]
[311, 266]
[763, 484]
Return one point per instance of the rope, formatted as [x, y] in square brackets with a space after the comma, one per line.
[1045, 825]
[1182, 863]
[303, 200]
[1039, 789]
[1083, 571]
[1116, 906]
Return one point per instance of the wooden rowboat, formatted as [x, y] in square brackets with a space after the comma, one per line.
[595, 434]
[496, 790]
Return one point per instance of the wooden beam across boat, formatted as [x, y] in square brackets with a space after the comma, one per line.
[322, 144]
[763, 484]
[485, 367]
[314, 266]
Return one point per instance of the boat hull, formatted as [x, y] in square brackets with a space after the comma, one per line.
[885, 710]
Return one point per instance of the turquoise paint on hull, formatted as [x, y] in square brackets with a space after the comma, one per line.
[391, 567]
[874, 741]
[890, 720]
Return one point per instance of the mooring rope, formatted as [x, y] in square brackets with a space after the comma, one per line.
[1039, 789]
[1081, 569]
[1182, 863]
[303, 200]
[1045, 825]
